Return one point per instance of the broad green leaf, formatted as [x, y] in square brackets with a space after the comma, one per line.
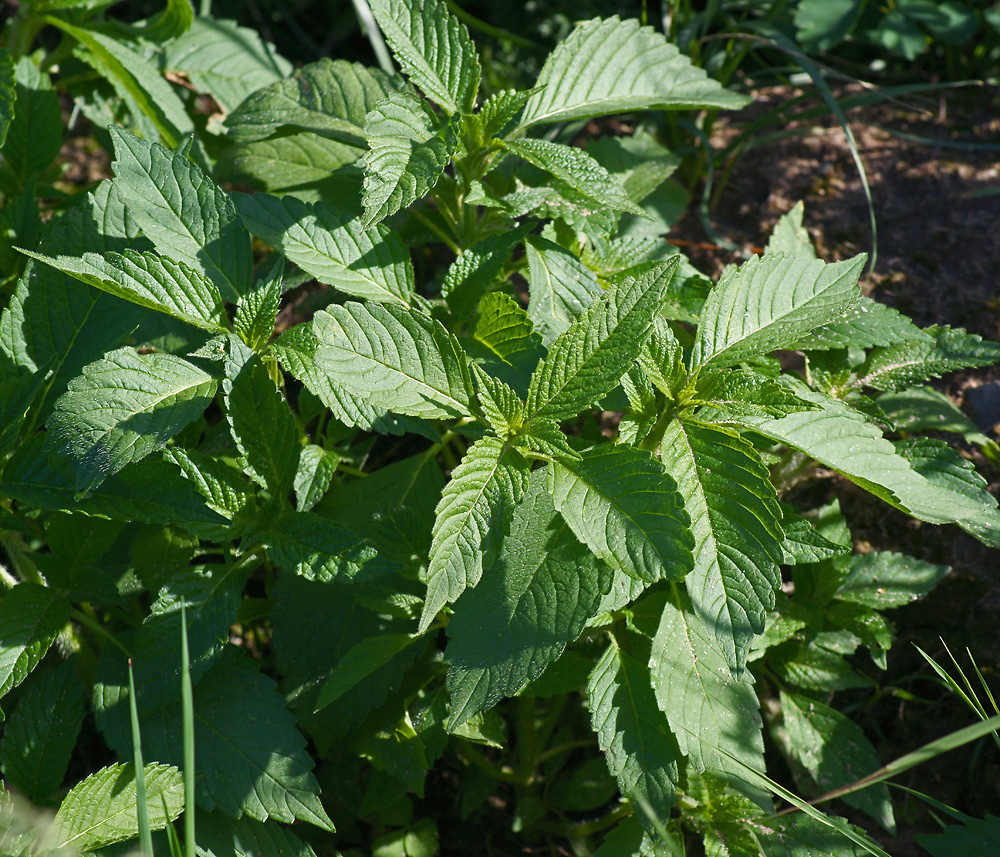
[624, 506]
[102, 809]
[614, 66]
[316, 470]
[41, 732]
[173, 20]
[596, 187]
[974, 836]
[361, 661]
[406, 155]
[225, 489]
[124, 407]
[151, 281]
[885, 579]
[632, 732]
[31, 617]
[471, 519]
[639, 162]
[395, 358]
[789, 237]
[8, 93]
[473, 272]
[818, 668]
[735, 519]
[721, 817]
[75, 565]
[183, 212]
[712, 714]
[224, 59]
[332, 247]
[866, 325]
[744, 391]
[252, 400]
[298, 164]
[836, 752]
[534, 598]
[33, 125]
[16, 395]
[310, 545]
[504, 332]
[590, 357]
[560, 288]
[221, 836]
[920, 409]
[547, 440]
[258, 308]
[769, 303]
[329, 97]
[501, 406]
[803, 543]
[433, 48]
[821, 24]
[895, 367]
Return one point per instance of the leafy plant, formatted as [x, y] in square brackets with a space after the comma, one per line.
[421, 518]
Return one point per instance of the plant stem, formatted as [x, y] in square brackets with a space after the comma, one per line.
[477, 760]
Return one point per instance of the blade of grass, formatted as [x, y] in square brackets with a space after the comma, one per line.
[142, 810]
[187, 717]
[374, 35]
[960, 817]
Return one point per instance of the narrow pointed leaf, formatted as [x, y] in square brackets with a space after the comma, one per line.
[258, 308]
[359, 663]
[789, 237]
[501, 406]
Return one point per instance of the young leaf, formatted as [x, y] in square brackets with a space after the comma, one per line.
[789, 237]
[102, 809]
[534, 598]
[471, 519]
[769, 303]
[183, 212]
[224, 487]
[504, 331]
[662, 360]
[329, 97]
[614, 66]
[31, 617]
[499, 112]
[560, 288]
[744, 391]
[316, 470]
[252, 400]
[721, 817]
[735, 519]
[547, 440]
[398, 359]
[332, 247]
[621, 503]
[258, 308]
[472, 274]
[886, 579]
[433, 48]
[124, 407]
[591, 356]
[578, 170]
[631, 731]
[406, 156]
[501, 406]
[712, 714]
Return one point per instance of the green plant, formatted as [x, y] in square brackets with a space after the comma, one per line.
[438, 509]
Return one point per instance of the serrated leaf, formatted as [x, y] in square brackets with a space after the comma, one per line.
[252, 400]
[661, 358]
[835, 752]
[124, 407]
[504, 332]
[597, 188]
[221, 836]
[560, 288]
[258, 308]
[471, 275]
[498, 113]
[744, 391]
[639, 162]
[735, 519]
[897, 366]
[801, 836]
[317, 467]
[769, 303]
[303, 165]
[974, 836]
[31, 617]
[614, 66]
[433, 48]
[471, 519]
[712, 714]
[886, 579]
[639, 749]
[226, 60]
[629, 838]
[866, 325]
[183, 212]
[41, 732]
[103, 809]
[624, 506]
[312, 546]
[590, 357]
[721, 817]
[920, 409]
[803, 543]
[789, 237]
[224, 488]
[406, 155]
[546, 439]
[396, 358]
[361, 661]
[819, 669]
[534, 598]
[331, 246]
[329, 97]
[501, 406]
[31, 123]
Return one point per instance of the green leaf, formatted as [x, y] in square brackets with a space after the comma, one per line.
[597, 188]
[821, 24]
[395, 358]
[974, 836]
[471, 519]
[301, 164]
[500, 404]
[329, 97]
[885, 579]
[735, 518]
[789, 237]
[546, 439]
[226, 60]
[867, 324]
[221, 836]
[504, 332]
[8, 93]
[331, 246]
[258, 308]
[406, 155]
[744, 391]
[252, 401]
[359, 663]
[39, 736]
[803, 543]
[801, 836]
[313, 546]
[631, 732]
[473, 272]
[836, 752]
[639, 162]
[224, 487]
[171, 21]
[560, 288]
[316, 470]
[662, 360]
[534, 598]
[819, 669]
[721, 817]
[183, 212]
[151, 281]
[624, 506]
[102, 809]
[769, 303]
[895, 367]
[629, 838]
[433, 48]
[614, 66]
[33, 126]
[590, 357]
[921, 409]
[712, 714]
[498, 113]
[124, 407]
[31, 617]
